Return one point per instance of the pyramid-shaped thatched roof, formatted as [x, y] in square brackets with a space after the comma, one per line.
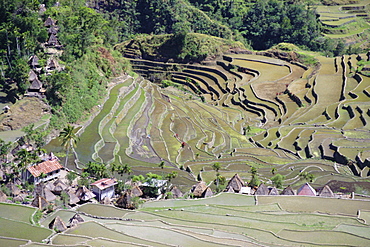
[73, 198]
[44, 192]
[326, 192]
[13, 189]
[40, 202]
[33, 60]
[58, 186]
[75, 220]
[53, 30]
[207, 193]
[57, 224]
[306, 190]
[36, 85]
[262, 190]
[236, 183]
[136, 191]
[288, 191]
[176, 192]
[53, 40]
[229, 189]
[273, 191]
[199, 189]
[84, 194]
[3, 196]
[49, 22]
[124, 201]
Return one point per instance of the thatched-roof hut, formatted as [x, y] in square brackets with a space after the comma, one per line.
[33, 61]
[229, 189]
[136, 191]
[75, 220]
[57, 186]
[49, 22]
[207, 193]
[13, 189]
[57, 224]
[84, 194]
[3, 196]
[53, 40]
[326, 192]
[32, 75]
[199, 189]
[288, 191]
[40, 202]
[306, 190]
[262, 190]
[125, 200]
[236, 183]
[176, 192]
[53, 30]
[73, 198]
[273, 191]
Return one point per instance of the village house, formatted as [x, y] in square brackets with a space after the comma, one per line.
[43, 171]
[103, 188]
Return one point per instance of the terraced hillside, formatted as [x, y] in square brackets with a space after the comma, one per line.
[242, 111]
[350, 22]
[230, 219]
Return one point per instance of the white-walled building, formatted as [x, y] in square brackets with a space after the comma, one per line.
[103, 188]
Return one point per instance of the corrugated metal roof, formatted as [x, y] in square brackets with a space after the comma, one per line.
[306, 190]
[104, 183]
[44, 167]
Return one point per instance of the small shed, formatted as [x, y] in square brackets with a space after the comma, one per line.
[306, 190]
[326, 192]
[262, 190]
[245, 190]
[103, 188]
[236, 183]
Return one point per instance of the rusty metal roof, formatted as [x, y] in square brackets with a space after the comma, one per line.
[104, 183]
[44, 167]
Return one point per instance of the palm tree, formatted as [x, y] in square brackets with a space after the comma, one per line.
[69, 139]
[25, 158]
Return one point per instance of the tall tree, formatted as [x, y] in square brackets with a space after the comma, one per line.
[69, 139]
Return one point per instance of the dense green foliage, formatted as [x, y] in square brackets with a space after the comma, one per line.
[88, 29]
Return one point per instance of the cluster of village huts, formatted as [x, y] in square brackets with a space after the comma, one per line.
[37, 88]
[237, 185]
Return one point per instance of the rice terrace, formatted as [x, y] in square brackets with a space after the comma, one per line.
[203, 135]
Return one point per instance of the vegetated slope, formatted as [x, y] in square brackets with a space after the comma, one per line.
[228, 218]
[264, 110]
[347, 22]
